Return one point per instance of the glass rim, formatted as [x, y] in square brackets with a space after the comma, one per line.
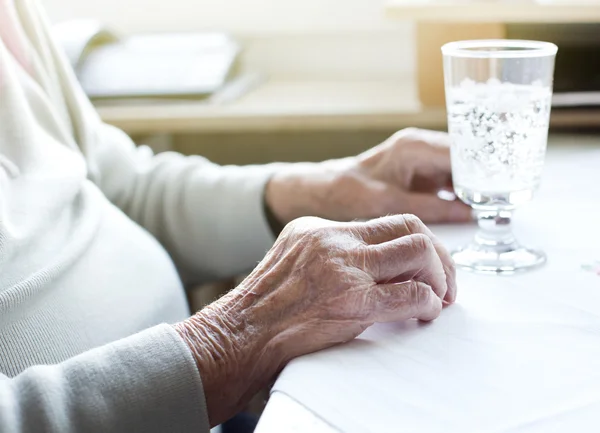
[494, 49]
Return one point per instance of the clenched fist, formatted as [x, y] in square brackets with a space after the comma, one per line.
[321, 284]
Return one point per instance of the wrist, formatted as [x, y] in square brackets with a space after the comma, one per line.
[305, 189]
[288, 193]
[234, 357]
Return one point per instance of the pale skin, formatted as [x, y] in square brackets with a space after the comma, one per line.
[324, 282]
[401, 175]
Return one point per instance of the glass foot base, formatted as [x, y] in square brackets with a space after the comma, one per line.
[505, 261]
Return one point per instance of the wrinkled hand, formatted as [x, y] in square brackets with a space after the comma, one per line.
[321, 284]
[401, 175]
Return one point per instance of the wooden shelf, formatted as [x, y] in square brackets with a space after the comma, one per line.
[277, 106]
[504, 11]
[442, 21]
[294, 106]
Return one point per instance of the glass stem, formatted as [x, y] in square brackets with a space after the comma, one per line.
[495, 230]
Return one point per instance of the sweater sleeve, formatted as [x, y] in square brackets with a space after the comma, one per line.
[148, 383]
[209, 217]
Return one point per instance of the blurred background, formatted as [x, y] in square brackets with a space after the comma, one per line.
[243, 81]
[313, 69]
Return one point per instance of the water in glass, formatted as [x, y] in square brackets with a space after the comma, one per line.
[499, 134]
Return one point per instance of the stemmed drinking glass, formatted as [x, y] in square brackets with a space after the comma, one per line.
[498, 95]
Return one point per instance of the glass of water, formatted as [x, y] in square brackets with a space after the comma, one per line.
[498, 95]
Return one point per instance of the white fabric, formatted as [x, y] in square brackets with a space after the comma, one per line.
[514, 354]
[92, 229]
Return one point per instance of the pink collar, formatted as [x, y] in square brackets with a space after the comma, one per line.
[13, 36]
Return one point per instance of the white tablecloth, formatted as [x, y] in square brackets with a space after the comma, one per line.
[515, 354]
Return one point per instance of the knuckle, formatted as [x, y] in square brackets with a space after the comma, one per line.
[412, 136]
[403, 137]
[309, 221]
[368, 258]
[306, 232]
[382, 225]
[407, 133]
[292, 226]
[323, 237]
[421, 242]
[287, 231]
[347, 179]
[307, 226]
[376, 226]
[414, 224]
[364, 252]
[419, 294]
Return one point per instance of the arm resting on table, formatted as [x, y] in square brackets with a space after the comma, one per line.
[147, 382]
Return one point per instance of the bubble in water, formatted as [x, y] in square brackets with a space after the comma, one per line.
[499, 133]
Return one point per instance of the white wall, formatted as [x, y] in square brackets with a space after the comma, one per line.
[352, 56]
[287, 39]
[241, 16]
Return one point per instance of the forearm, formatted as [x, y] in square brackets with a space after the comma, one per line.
[146, 382]
[210, 218]
[309, 189]
[235, 354]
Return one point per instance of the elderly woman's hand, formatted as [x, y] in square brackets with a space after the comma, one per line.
[401, 175]
[322, 283]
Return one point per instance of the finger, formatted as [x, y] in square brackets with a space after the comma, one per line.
[429, 181]
[436, 138]
[392, 227]
[444, 255]
[431, 162]
[403, 301]
[439, 158]
[433, 209]
[387, 228]
[411, 257]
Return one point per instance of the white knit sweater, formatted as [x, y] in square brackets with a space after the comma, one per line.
[92, 230]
